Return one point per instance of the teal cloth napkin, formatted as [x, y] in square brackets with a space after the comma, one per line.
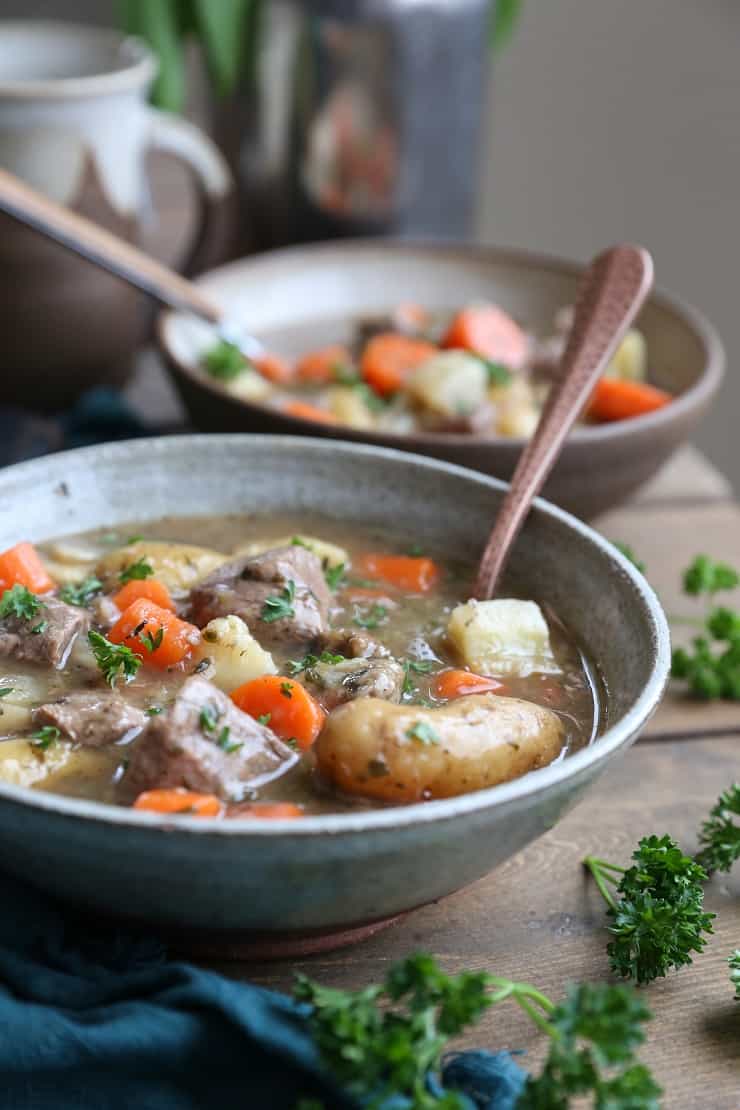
[103, 1021]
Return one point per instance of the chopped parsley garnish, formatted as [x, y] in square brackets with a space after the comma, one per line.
[292, 743]
[225, 743]
[286, 689]
[279, 606]
[414, 666]
[80, 595]
[370, 618]
[152, 642]
[133, 539]
[39, 628]
[45, 737]
[334, 576]
[19, 602]
[498, 374]
[264, 719]
[346, 374]
[372, 400]
[5, 690]
[153, 710]
[296, 541]
[136, 571]
[224, 361]
[415, 551]
[209, 718]
[308, 661]
[114, 660]
[423, 732]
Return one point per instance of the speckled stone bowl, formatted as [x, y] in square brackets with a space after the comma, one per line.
[303, 297]
[329, 872]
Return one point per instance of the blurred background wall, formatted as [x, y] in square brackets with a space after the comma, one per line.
[609, 119]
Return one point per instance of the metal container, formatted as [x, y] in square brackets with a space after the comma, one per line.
[365, 118]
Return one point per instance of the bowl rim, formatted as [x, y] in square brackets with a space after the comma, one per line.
[695, 397]
[529, 786]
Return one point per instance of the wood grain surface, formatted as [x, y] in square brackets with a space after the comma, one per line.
[538, 918]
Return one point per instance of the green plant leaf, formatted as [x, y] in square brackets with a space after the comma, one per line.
[158, 23]
[504, 18]
[223, 33]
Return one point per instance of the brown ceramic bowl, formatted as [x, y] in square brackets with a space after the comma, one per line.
[301, 297]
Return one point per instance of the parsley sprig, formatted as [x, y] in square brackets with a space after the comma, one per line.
[136, 572]
[385, 1042]
[734, 962]
[711, 666]
[279, 606]
[44, 737]
[309, 661]
[82, 593]
[719, 837]
[19, 602]
[114, 660]
[656, 909]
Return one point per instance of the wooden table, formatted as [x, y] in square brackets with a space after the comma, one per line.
[537, 918]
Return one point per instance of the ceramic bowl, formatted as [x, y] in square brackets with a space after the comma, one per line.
[331, 872]
[304, 297]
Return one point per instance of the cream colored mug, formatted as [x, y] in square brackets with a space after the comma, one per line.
[75, 123]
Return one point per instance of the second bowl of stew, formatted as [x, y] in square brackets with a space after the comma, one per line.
[446, 350]
[243, 685]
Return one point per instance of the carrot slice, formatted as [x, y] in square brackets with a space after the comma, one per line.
[149, 588]
[419, 575]
[321, 366]
[389, 358]
[616, 399]
[22, 566]
[305, 411]
[155, 634]
[268, 810]
[457, 684]
[178, 800]
[489, 331]
[274, 368]
[291, 711]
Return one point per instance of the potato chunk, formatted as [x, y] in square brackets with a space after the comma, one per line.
[331, 554]
[349, 407]
[502, 637]
[451, 384]
[178, 565]
[630, 358]
[407, 753]
[234, 653]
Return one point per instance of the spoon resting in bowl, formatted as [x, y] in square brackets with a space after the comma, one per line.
[104, 249]
[611, 294]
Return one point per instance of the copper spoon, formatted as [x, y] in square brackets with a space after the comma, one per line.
[103, 248]
[611, 294]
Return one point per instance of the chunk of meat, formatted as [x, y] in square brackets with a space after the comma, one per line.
[204, 743]
[407, 753]
[242, 587]
[351, 643]
[334, 683]
[92, 718]
[45, 638]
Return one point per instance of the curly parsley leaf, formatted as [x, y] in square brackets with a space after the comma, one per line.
[335, 575]
[279, 606]
[370, 618]
[413, 666]
[309, 661]
[734, 962]
[136, 572]
[224, 361]
[656, 911]
[719, 837]
[152, 641]
[82, 593]
[45, 737]
[19, 602]
[423, 732]
[705, 576]
[114, 660]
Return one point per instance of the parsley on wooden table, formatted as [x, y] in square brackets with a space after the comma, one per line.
[114, 660]
[719, 836]
[734, 962]
[656, 910]
[385, 1041]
